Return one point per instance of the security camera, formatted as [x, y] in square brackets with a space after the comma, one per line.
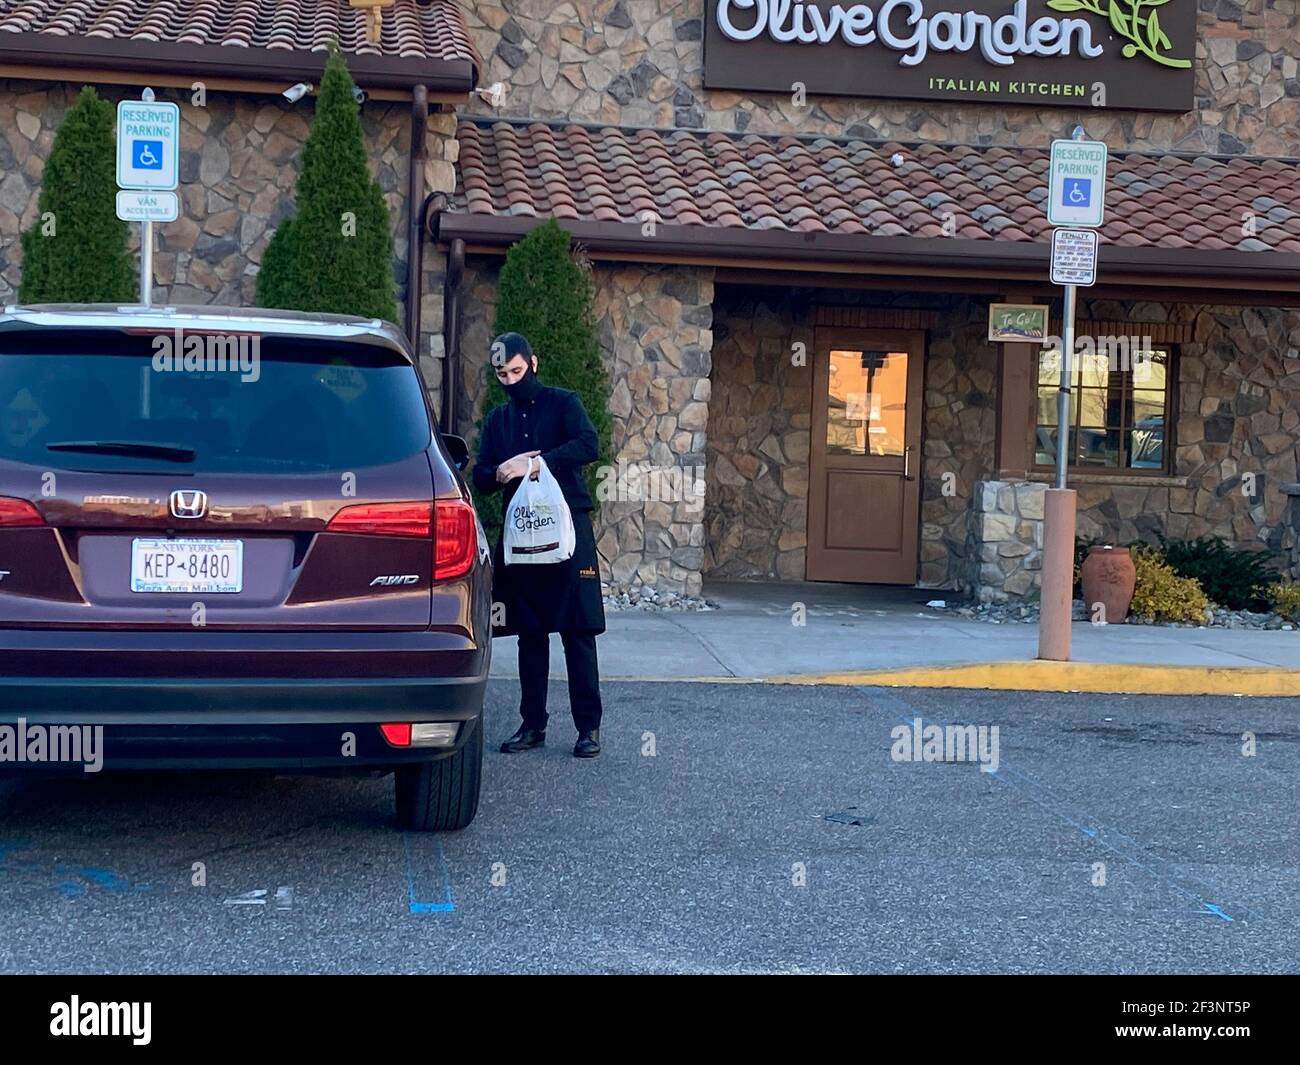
[294, 93]
[358, 94]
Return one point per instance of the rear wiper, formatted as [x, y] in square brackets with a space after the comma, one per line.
[171, 452]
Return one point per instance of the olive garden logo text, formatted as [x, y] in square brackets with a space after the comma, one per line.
[1137, 52]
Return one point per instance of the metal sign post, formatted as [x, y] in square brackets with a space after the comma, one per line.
[1063, 389]
[1074, 263]
[148, 159]
[1076, 197]
[146, 263]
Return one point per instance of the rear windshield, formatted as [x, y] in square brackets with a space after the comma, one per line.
[238, 404]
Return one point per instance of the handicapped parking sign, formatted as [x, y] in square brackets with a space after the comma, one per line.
[147, 155]
[1076, 192]
[148, 145]
[1076, 176]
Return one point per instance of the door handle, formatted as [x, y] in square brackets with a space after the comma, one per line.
[907, 463]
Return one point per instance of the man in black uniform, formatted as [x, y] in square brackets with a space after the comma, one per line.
[539, 599]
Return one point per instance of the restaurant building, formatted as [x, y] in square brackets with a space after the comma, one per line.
[805, 222]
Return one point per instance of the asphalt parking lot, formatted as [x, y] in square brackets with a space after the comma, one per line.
[725, 828]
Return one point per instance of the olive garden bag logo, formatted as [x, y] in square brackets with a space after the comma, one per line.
[1063, 52]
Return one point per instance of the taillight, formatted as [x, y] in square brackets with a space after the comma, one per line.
[18, 512]
[449, 521]
[455, 539]
[383, 519]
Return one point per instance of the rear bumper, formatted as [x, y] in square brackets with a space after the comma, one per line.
[189, 701]
[188, 723]
[240, 700]
[136, 655]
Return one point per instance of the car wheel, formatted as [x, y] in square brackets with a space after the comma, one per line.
[442, 796]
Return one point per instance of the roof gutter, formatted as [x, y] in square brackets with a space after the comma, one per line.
[951, 257]
[229, 61]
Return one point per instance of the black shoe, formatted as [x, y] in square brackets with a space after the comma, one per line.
[588, 745]
[523, 740]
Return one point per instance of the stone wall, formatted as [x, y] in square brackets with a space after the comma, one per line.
[655, 327]
[960, 427]
[1237, 448]
[239, 160]
[640, 63]
[759, 433]
[478, 300]
[1292, 492]
[1004, 550]
[757, 510]
[1238, 427]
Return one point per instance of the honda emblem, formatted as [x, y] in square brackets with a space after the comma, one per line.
[189, 504]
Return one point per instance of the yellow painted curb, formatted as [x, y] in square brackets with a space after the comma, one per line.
[1039, 676]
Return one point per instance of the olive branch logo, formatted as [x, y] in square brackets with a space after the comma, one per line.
[1131, 20]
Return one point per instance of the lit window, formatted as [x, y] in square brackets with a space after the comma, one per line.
[1120, 405]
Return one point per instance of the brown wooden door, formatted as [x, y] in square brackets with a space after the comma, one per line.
[864, 490]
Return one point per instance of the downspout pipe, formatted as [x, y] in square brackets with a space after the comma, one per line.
[451, 315]
[449, 408]
[415, 219]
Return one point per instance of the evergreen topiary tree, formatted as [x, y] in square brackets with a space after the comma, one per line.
[77, 250]
[336, 254]
[276, 285]
[545, 293]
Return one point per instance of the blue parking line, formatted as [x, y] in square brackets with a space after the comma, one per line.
[1208, 908]
[66, 878]
[419, 856]
[1100, 835]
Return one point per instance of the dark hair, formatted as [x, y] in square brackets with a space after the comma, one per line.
[506, 346]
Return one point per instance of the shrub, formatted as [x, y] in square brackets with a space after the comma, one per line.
[545, 294]
[1230, 578]
[77, 250]
[1160, 594]
[1285, 599]
[276, 279]
[336, 254]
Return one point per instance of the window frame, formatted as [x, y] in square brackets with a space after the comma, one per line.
[1166, 469]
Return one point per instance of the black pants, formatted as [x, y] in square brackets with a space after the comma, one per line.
[584, 678]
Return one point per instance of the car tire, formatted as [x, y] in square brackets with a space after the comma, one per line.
[442, 796]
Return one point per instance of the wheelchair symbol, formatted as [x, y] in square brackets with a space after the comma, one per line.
[1076, 192]
[148, 155]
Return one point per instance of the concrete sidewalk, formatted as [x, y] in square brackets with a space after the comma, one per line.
[855, 628]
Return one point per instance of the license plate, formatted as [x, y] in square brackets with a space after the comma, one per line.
[191, 567]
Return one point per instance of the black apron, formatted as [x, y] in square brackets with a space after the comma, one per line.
[551, 596]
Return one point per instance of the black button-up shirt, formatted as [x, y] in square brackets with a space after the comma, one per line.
[552, 422]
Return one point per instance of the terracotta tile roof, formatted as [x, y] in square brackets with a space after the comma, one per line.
[412, 29]
[819, 185]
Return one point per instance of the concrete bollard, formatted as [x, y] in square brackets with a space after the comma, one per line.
[1058, 575]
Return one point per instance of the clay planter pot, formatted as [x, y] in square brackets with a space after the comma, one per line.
[1108, 578]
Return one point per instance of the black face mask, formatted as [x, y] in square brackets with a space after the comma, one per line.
[526, 387]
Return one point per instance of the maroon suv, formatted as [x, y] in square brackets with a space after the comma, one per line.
[236, 538]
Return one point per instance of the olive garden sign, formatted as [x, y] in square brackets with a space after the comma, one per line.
[1063, 53]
